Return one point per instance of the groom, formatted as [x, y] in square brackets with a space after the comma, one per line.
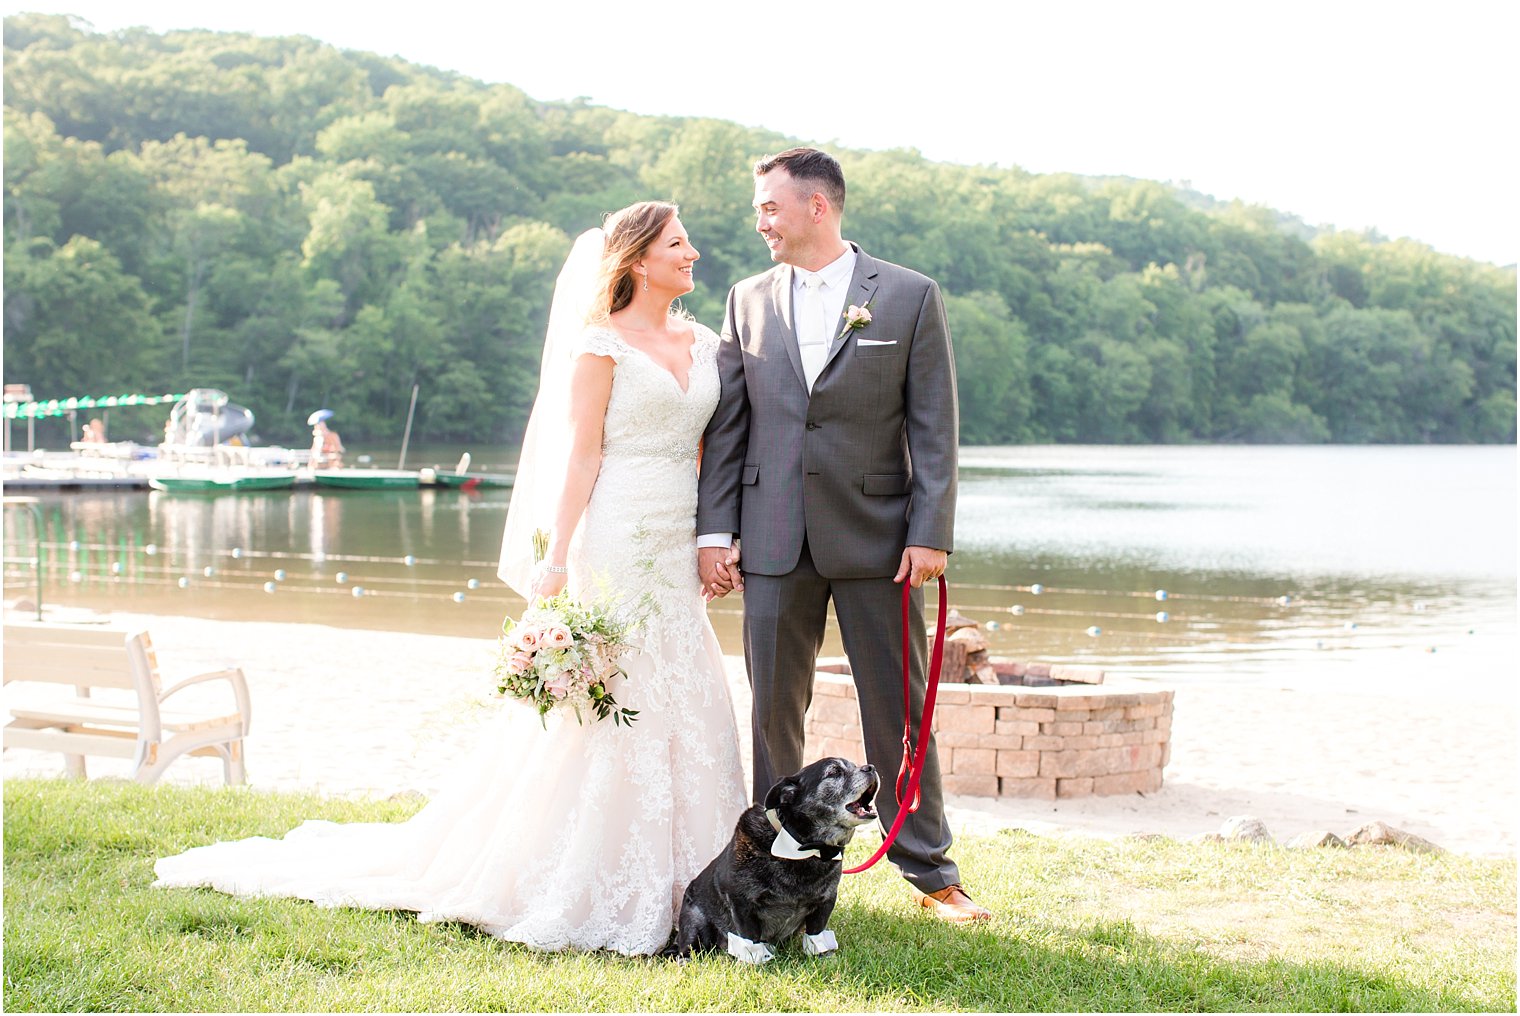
[832, 459]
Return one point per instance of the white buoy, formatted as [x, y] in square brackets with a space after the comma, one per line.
[75, 576]
[279, 574]
[1163, 617]
[1350, 626]
[1036, 589]
[472, 584]
[1283, 601]
[208, 571]
[1095, 631]
[409, 560]
[270, 587]
[1160, 594]
[184, 583]
[342, 577]
[458, 597]
[115, 567]
[1017, 610]
[151, 549]
[993, 626]
[237, 552]
[358, 591]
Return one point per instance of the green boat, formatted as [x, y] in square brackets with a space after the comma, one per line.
[470, 481]
[222, 482]
[366, 479]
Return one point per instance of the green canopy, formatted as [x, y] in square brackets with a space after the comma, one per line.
[62, 407]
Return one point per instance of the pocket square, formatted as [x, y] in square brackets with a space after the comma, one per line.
[876, 342]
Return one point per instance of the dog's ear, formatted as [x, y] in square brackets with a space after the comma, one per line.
[782, 793]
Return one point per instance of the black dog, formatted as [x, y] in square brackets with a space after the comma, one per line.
[780, 873]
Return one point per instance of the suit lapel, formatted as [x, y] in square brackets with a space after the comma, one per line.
[781, 307]
[862, 290]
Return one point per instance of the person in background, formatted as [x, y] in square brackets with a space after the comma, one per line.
[326, 447]
[94, 432]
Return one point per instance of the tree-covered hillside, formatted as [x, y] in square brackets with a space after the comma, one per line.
[307, 227]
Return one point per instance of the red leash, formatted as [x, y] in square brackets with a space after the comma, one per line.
[913, 758]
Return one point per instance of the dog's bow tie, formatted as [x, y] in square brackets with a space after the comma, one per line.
[787, 847]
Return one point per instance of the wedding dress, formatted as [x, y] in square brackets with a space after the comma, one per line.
[579, 836]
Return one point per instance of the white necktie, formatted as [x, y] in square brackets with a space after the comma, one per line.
[812, 329]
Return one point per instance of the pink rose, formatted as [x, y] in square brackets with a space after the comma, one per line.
[528, 638]
[520, 662]
[558, 685]
[557, 636]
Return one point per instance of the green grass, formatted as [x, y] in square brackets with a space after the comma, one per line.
[1081, 925]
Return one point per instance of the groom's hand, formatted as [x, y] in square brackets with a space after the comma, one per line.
[920, 565]
[718, 568]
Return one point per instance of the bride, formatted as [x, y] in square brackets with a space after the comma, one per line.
[579, 836]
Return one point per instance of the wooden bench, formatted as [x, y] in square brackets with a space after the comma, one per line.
[115, 661]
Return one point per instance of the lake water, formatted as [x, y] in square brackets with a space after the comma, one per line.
[1369, 567]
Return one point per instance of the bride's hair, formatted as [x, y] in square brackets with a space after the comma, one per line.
[630, 233]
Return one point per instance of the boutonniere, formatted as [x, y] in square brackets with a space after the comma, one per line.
[855, 318]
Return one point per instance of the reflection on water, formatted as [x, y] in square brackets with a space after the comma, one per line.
[1371, 565]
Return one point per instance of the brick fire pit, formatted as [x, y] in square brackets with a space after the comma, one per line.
[1059, 732]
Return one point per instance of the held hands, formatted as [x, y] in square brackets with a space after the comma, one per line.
[718, 568]
[920, 565]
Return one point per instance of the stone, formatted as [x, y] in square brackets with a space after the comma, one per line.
[1078, 675]
[1033, 786]
[1315, 838]
[981, 673]
[1245, 827]
[974, 762]
[1018, 763]
[966, 719]
[1383, 834]
[975, 785]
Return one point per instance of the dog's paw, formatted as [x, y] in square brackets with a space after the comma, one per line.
[820, 944]
[745, 951]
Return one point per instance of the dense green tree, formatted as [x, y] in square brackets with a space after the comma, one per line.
[310, 227]
[70, 309]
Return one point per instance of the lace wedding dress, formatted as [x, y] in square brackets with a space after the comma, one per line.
[578, 836]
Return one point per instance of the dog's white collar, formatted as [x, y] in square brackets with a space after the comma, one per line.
[786, 845]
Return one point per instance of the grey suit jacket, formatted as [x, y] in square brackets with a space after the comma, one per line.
[863, 467]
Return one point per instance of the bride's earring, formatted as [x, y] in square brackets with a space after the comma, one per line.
[646, 280]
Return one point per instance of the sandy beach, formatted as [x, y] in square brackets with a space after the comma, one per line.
[351, 712]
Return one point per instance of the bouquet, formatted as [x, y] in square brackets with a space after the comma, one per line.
[562, 654]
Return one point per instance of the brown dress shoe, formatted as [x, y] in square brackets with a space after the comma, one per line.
[952, 904]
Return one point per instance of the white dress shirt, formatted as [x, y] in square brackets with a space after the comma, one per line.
[820, 335]
[834, 289]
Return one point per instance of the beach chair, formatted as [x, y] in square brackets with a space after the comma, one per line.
[117, 724]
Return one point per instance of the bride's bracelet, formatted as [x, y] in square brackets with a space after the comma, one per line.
[556, 569]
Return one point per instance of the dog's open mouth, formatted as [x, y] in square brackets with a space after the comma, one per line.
[862, 807]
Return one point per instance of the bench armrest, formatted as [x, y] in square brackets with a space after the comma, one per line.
[234, 676]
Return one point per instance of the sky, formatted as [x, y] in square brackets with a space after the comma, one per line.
[1392, 116]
